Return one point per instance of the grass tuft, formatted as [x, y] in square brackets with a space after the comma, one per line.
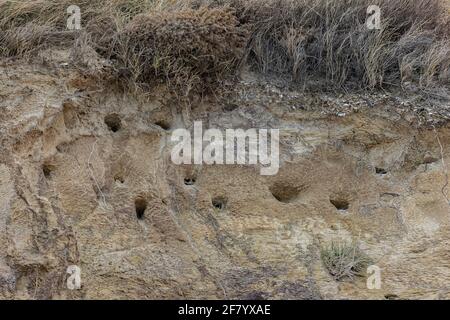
[344, 260]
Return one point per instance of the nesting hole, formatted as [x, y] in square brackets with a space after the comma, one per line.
[380, 171]
[47, 169]
[113, 122]
[219, 203]
[340, 203]
[140, 206]
[119, 178]
[285, 193]
[189, 181]
[165, 125]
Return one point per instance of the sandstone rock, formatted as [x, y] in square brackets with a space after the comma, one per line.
[86, 179]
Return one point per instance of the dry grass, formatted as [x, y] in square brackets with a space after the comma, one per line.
[28, 26]
[329, 41]
[344, 260]
[194, 44]
[190, 49]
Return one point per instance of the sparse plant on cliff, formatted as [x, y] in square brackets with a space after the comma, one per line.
[344, 260]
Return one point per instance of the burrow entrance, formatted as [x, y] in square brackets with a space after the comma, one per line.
[140, 205]
[189, 181]
[163, 124]
[340, 203]
[219, 203]
[47, 170]
[113, 122]
[285, 193]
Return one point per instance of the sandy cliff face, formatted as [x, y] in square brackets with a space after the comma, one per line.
[80, 162]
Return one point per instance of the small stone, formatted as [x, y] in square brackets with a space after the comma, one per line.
[428, 158]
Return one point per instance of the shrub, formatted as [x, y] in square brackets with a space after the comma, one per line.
[191, 49]
[344, 260]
